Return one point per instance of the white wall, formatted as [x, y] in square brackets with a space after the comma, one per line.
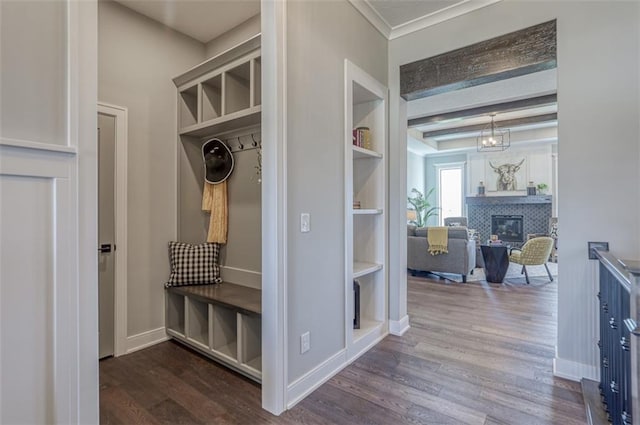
[137, 60]
[415, 172]
[233, 37]
[598, 108]
[320, 35]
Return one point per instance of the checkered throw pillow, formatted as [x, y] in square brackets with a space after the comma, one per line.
[193, 264]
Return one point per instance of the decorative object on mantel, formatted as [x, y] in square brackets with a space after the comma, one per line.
[481, 189]
[492, 138]
[507, 179]
[421, 205]
[542, 188]
[531, 189]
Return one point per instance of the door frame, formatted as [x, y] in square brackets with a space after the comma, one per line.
[120, 114]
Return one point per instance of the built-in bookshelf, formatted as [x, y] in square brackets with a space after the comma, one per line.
[365, 210]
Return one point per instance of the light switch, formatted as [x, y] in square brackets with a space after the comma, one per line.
[305, 222]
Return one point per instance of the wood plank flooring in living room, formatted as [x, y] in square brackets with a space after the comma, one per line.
[476, 353]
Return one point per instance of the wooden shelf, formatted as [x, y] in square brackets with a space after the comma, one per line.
[230, 350]
[362, 153]
[361, 268]
[238, 120]
[255, 363]
[366, 327]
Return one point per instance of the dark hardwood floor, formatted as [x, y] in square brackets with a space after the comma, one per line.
[476, 353]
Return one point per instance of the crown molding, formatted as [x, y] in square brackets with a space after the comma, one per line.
[442, 15]
[372, 16]
[458, 9]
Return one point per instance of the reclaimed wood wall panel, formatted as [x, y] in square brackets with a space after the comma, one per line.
[518, 53]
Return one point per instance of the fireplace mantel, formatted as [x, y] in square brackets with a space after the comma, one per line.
[508, 200]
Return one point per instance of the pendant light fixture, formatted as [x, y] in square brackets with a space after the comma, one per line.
[493, 138]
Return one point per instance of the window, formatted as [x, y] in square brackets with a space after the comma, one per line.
[450, 190]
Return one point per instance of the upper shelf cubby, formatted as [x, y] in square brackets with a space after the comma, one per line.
[223, 93]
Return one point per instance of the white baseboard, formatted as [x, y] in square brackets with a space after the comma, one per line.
[311, 380]
[574, 371]
[146, 339]
[399, 327]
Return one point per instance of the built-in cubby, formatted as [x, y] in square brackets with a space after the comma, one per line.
[222, 94]
[221, 98]
[197, 328]
[222, 321]
[251, 355]
[224, 329]
[237, 88]
[212, 98]
[189, 106]
[175, 313]
[257, 82]
[365, 209]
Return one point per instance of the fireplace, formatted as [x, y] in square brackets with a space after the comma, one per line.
[508, 227]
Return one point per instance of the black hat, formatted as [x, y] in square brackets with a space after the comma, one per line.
[218, 161]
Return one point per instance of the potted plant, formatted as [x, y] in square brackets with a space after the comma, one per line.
[542, 188]
[420, 204]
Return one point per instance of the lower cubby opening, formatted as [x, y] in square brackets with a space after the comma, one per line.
[198, 321]
[175, 312]
[251, 342]
[371, 303]
[224, 331]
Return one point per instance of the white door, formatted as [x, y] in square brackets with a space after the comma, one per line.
[48, 262]
[106, 233]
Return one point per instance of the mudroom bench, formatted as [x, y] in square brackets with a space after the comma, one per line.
[221, 321]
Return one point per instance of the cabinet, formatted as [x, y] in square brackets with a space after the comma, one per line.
[220, 321]
[365, 210]
[220, 98]
[222, 94]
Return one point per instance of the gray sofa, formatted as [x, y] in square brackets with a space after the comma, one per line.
[461, 258]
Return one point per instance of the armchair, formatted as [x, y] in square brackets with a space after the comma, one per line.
[535, 252]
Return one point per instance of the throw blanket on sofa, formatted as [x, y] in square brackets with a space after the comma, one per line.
[438, 238]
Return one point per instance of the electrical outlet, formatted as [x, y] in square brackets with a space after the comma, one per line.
[305, 342]
[602, 246]
[305, 222]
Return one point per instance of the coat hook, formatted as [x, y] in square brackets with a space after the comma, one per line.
[240, 143]
[254, 141]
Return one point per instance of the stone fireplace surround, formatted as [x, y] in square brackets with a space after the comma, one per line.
[536, 212]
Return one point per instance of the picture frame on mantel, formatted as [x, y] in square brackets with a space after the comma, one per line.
[506, 175]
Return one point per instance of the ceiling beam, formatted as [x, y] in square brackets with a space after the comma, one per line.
[503, 124]
[518, 53]
[496, 108]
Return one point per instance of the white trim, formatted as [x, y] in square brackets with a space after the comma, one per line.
[83, 119]
[28, 144]
[372, 15]
[399, 327]
[460, 165]
[120, 209]
[274, 205]
[417, 24]
[313, 379]
[574, 371]
[145, 340]
[439, 16]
